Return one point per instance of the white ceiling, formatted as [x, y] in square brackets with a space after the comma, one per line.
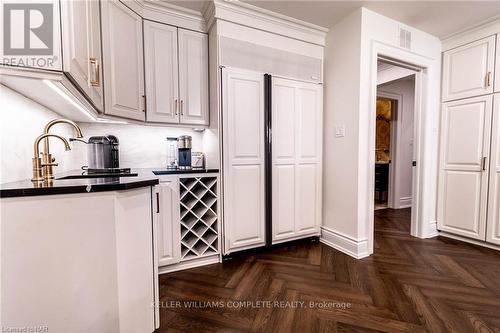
[439, 18]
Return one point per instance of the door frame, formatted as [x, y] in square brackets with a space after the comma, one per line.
[395, 135]
[425, 146]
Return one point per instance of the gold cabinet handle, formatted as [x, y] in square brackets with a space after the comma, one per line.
[176, 107]
[182, 107]
[96, 82]
[488, 79]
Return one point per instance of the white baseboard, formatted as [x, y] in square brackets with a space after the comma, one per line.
[433, 232]
[214, 259]
[469, 240]
[405, 202]
[355, 248]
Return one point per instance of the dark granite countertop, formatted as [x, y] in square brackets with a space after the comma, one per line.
[144, 177]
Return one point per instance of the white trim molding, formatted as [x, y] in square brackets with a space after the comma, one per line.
[164, 12]
[213, 259]
[468, 240]
[356, 248]
[433, 232]
[404, 202]
[481, 30]
[255, 17]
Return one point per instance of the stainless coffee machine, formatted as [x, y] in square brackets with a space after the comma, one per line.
[103, 154]
[184, 144]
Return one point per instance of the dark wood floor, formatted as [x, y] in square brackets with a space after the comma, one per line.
[408, 285]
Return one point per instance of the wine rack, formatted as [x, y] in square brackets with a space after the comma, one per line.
[199, 222]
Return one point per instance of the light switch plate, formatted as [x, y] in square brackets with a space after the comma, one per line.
[339, 131]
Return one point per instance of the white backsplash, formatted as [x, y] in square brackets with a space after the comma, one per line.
[22, 120]
[141, 146]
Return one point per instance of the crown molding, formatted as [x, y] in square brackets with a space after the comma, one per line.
[164, 12]
[477, 31]
[262, 19]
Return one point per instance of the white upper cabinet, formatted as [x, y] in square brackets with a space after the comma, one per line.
[244, 154]
[81, 36]
[468, 70]
[193, 77]
[463, 175]
[162, 73]
[497, 66]
[296, 159]
[176, 69]
[123, 61]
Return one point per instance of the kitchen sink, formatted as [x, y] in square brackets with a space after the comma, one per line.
[98, 175]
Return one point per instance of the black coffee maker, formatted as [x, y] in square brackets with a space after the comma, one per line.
[184, 143]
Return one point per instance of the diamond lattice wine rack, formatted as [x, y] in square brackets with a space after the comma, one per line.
[199, 230]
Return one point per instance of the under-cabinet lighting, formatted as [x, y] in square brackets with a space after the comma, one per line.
[110, 121]
[196, 129]
[68, 98]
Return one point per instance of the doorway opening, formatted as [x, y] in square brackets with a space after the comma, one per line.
[394, 138]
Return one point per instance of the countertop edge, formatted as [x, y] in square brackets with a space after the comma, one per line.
[30, 192]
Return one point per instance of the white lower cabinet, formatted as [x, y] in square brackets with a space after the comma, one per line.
[186, 220]
[83, 263]
[244, 165]
[296, 159]
[167, 221]
[493, 224]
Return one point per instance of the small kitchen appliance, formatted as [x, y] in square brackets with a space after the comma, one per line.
[197, 160]
[184, 143]
[103, 155]
[171, 153]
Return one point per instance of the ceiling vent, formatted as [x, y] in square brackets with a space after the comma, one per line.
[404, 38]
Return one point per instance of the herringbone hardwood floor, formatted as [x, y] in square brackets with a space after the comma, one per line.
[408, 285]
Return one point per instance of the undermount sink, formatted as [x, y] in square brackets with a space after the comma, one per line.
[98, 175]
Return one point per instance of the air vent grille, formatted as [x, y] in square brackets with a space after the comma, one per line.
[404, 38]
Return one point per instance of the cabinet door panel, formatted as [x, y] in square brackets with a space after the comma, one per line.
[468, 69]
[95, 68]
[75, 31]
[283, 201]
[296, 159]
[493, 224]
[123, 61]
[161, 72]
[168, 222]
[463, 184]
[243, 167]
[193, 77]
[307, 204]
[497, 65]
[82, 53]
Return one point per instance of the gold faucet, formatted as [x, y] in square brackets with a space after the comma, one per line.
[47, 159]
[38, 166]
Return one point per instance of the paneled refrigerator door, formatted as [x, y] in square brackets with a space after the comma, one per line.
[296, 159]
[244, 159]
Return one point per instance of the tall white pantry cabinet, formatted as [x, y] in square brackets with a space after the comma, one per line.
[469, 182]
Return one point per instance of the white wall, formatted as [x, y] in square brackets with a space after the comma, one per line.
[402, 161]
[341, 100]
[350, 95]
[22, 120]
